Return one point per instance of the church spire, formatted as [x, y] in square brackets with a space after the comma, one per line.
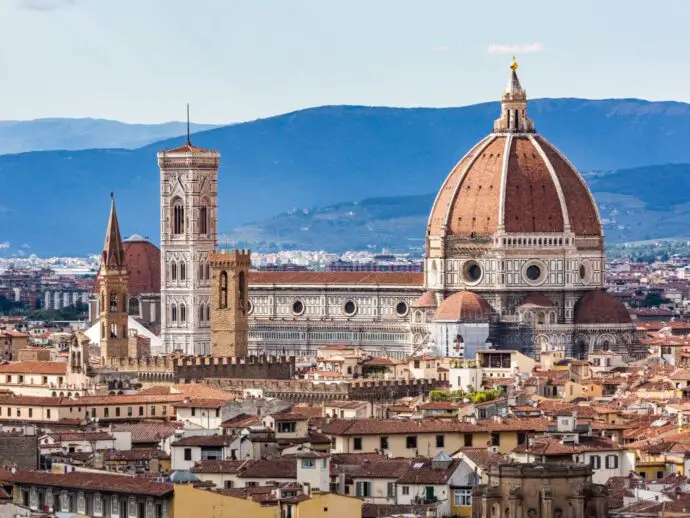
[113, 256]
[513, 117]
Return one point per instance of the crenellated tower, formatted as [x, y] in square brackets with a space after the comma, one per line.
[112, 283]
[189, 215]
[229, 303]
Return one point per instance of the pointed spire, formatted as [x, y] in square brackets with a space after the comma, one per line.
[113, 256]
[513, 117]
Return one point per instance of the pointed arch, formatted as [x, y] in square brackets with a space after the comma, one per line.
[183, 270]
[223, 290]
[204, 214]
[208, 312]
[183, 313]
[173, 271]
[173, 313]
[177, 216]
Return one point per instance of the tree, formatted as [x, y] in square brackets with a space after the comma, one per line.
[8, 306]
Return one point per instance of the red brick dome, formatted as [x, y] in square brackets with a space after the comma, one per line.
[464, 305]
[519, 183]
[513, 181]
[143, 261]
[600, 307]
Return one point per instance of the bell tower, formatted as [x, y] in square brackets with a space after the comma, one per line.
[189, 215]
[229, 303]
[112, 282]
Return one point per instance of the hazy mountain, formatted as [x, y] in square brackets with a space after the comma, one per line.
[635, 204]
[47, 134]
[57, 201]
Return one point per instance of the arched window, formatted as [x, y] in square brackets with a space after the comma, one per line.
[208, 271]
[200, 273]
[173, 271]
[173, 313]
[201, 312]
[183, 313]
[178, 217]
[183, 271]
[208, 312]
[113, 302]
[223, 292]
[133, 306]
[241, 291]
[203, 219]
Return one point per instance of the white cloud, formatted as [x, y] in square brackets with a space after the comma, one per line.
[525, 48]
[44, 5]
[26, 245]
[5, 245]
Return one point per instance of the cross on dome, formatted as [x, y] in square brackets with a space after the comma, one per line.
[513, 117]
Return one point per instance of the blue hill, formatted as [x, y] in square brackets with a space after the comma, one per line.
[57, 201]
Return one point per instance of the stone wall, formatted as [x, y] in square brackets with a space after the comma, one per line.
[315, 392]
[19, 450]
[253, 367]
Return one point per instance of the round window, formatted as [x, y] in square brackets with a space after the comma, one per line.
[298, 307]
[583, 271]
[472, 271]
[533, 272]
[350, 308]
[401, 308]
[250, 307]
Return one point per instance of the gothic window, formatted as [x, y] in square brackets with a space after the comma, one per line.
[173, 313]
[173, 271]
[183, 313]
[241, 291]
[203, 220]
[113, 302]
[134, 306]
[200, 274]
[178, 217]
[223, 290]
[201, 312]
[183, 271]
[208, 271]
[208, 312]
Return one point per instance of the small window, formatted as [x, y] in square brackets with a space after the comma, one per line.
[440, 441]
[612, 462]
[468, 440]
[153, 410]
[31, 412]
[48, 413]
[141, 410]
[411, 442]
[228, 484]
[106, 412]
[401, 308]
[187, 454]
[495, 439]
[357, 443]
[297, 307]
[308, 463]
[193, 412]
[384, 443]
[117, 411]
[391, 489]
[350, 308]
[595, 461]
[217, 412]
[129, 411]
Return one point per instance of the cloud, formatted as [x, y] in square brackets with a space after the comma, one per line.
[5, 245]
[525, 48]
[44, 5]
[441, 48]
[26, 245]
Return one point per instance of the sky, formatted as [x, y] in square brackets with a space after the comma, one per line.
[238, 60]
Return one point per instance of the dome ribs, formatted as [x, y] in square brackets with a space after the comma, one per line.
[584, 220]
[474, 211]
[531, 198]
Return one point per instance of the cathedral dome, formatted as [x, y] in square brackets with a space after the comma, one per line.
[143, 263]
[464, 305]
[600, 307]
[513, 181]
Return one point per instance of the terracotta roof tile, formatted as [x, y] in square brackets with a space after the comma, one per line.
[35, 367]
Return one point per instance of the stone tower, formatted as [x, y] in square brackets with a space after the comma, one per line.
[189, 205]
[112, 284]
[229, 303]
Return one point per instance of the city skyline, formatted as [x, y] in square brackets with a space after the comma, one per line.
[250, 60]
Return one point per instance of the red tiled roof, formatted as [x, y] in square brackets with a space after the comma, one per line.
[428, 474]
[202, 403]
[464, 305]
[359, 278]
[204, 440]
[218, 466]
[35, 367]
[90, 481]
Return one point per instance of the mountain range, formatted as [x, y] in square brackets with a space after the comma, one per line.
[72, 134]
[56, 202]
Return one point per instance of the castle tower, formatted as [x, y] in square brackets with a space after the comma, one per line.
[229, 303]
[112, 283]
[189, 205]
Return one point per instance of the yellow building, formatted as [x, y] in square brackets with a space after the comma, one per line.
[190, 501]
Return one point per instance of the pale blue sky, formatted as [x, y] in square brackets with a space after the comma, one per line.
[141, 60]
